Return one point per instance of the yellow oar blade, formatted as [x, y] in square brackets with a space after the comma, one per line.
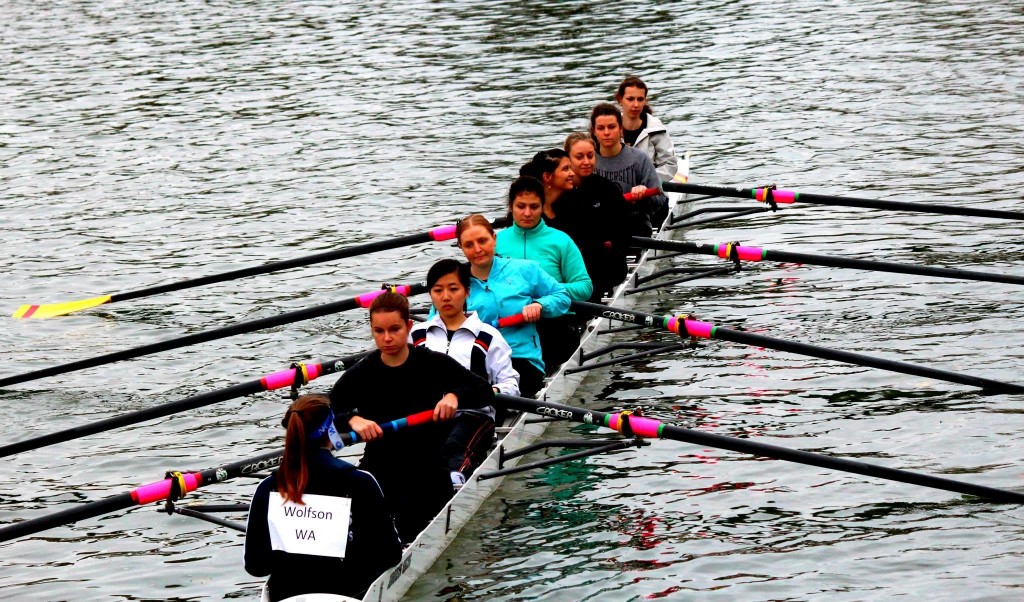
[58, 309]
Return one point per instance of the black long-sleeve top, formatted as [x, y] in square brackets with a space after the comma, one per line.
[373, 544]
[597, 218]
[410, 464]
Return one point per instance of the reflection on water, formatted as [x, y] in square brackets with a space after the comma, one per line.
[149, 143]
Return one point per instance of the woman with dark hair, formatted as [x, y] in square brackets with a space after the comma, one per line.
[530, 238]
[628, 167]
[552, 168]
[642, 130]
[395, 381]
[318, 524]
[598, 212]
[480, 348]
[501, 287]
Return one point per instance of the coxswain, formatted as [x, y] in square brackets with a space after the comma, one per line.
[318, 525]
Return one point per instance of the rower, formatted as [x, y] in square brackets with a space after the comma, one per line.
[395, 381]
[318, 525]
[587, 207]
[642, 130]
[501, 287]
[628, 167]
[530, 238]
[478, 347]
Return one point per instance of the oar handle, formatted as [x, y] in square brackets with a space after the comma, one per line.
[393, 426]
[633, 197]
[507, 321]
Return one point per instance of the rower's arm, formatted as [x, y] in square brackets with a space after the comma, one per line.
[471, 390]
[553, 298]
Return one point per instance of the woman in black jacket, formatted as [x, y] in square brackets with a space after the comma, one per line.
[318, 524]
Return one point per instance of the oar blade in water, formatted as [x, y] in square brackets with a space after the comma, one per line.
[52, 310]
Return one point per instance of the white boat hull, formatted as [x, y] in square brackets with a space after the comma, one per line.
[428, 546]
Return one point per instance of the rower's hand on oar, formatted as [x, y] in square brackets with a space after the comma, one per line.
[531, 313]
[367, 430]
[636, 193]
[445, 409]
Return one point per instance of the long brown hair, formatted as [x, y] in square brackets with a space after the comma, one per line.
[633, 82]
[303, 417]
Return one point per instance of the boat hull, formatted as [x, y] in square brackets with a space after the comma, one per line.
[435, 538]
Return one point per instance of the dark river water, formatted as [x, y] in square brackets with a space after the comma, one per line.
[147, 142]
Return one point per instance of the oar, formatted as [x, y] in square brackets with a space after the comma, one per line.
[59, 309]
[647, 427]
[789, 196]
[161, 490]
[633, 197]
[706, 330]
[212, 335]
[743, 253]
[270, 382]
[508, 321]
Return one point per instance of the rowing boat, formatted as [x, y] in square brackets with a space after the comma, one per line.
[517, 432]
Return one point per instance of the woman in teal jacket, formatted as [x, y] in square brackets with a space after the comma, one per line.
[530, 238]
[502, 287]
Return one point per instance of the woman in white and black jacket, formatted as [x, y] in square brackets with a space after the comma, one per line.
[478, 347]
[642, 130]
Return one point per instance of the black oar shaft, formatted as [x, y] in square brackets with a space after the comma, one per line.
[159, 411]
[276, 266]
[821, 199]
[100, 426]
[161, 490]
[735, 336]
[705, 439]
[835, 262]
[199, 337]
[137, 496]
[65, 517]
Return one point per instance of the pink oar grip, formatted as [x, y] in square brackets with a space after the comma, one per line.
[513, 320]
[780, 196]
[155, 492]
[643, 427]
[744, 253]
[693, 328]
[696, 328]
[629, 196]
[365, 299]
[285, 378]
[443, 233]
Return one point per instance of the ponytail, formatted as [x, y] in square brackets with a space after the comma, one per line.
[304, 416]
